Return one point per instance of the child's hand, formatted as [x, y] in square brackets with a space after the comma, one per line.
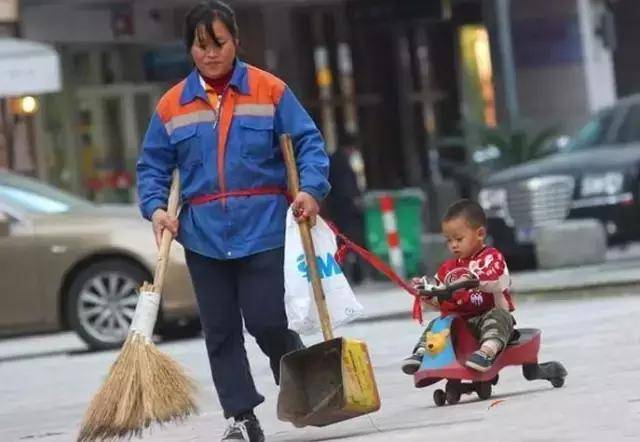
[425, 284]
[417, 283]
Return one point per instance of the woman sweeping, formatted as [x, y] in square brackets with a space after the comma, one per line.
[220, 128]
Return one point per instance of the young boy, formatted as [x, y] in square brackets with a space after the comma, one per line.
[486, 308]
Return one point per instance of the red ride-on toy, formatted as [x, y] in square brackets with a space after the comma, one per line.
[450, 343]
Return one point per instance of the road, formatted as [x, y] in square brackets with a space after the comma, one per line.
[45, 385]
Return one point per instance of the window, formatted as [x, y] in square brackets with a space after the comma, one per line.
[35, 197]
[594, 133]
[630, 129]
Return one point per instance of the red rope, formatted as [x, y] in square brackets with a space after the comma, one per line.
[344, 248]
[203, 199]
[348, 245]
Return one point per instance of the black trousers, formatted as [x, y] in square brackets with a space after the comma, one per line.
[228, 291]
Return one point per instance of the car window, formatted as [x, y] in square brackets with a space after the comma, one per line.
[30, 195]
[630, 128]
[594, 132]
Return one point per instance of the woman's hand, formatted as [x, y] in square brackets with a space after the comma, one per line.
[305, 207]
[161, 220]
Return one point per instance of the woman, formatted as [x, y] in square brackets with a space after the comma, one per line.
[220, 127]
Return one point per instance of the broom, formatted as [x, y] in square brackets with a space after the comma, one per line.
[143, 385]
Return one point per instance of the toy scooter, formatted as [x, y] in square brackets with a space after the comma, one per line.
[450, 343]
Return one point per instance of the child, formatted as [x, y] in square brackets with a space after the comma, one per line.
[486, 308]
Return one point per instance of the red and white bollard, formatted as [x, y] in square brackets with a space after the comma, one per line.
[391, 230]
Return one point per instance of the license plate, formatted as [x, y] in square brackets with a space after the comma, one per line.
[525, 235]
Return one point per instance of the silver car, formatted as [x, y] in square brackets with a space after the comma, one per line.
[66, 263]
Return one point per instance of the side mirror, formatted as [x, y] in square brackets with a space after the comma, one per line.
[5, 224]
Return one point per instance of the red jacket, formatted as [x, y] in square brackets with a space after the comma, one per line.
[489, 266]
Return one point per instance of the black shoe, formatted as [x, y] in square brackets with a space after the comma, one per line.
[480, 361]
[411, 364]
[247, 430]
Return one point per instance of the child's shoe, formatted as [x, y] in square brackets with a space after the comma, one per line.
[411, 364]
[480, 361]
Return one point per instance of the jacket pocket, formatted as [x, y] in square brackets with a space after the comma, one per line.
[257, 138]
[187, 146]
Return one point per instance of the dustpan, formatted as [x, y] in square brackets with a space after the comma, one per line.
[331, 381]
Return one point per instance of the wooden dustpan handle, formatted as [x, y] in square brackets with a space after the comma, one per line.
[307, 242]
[167, 237]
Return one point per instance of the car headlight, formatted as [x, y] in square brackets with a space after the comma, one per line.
[609, 183]
[492, 199]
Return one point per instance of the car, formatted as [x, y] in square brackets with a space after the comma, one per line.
[66, 263]
[596, 175]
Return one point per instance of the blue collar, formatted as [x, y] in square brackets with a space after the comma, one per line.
[193, 88]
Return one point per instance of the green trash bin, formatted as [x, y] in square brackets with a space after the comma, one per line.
[408, 205]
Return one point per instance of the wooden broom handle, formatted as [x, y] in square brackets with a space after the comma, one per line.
[167, 237]
[307, 242]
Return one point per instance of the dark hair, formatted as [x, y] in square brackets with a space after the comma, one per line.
[469, 210]
[204, 13]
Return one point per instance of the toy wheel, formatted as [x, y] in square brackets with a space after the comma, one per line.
[557, 382]
[439, 397]
[453, 396]
[484, 390]
[530, 371]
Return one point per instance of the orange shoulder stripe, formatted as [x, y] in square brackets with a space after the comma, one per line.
[265, 88]
[169, 105]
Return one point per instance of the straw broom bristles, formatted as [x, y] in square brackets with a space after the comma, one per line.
[142, 387]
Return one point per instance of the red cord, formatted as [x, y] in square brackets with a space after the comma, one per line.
[347, 245]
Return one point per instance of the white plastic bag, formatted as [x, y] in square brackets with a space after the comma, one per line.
[300, 305]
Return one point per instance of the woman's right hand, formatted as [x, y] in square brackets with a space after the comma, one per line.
[161, 220]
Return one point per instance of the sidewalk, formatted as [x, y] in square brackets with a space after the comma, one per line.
[383, 300]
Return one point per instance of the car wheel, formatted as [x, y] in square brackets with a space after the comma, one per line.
[102, 300]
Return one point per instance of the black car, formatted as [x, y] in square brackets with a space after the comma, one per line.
[595, 176]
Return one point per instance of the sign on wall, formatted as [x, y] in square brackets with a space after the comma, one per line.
[547, 41]
[28, 68]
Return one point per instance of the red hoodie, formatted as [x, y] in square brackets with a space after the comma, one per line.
[489, 266]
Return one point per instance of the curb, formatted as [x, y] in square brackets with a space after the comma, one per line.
[391, 316]
[572, 288]
[611, 288]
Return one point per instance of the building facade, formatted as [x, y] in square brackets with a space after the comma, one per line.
[401, 76]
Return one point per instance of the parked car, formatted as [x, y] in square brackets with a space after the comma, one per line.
[66, 263]
[596, 175]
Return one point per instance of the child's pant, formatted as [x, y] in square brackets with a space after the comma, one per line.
[496, 324]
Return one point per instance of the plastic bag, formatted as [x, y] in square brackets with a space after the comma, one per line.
[300, 305]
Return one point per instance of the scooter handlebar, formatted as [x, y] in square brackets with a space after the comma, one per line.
[444, 293]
